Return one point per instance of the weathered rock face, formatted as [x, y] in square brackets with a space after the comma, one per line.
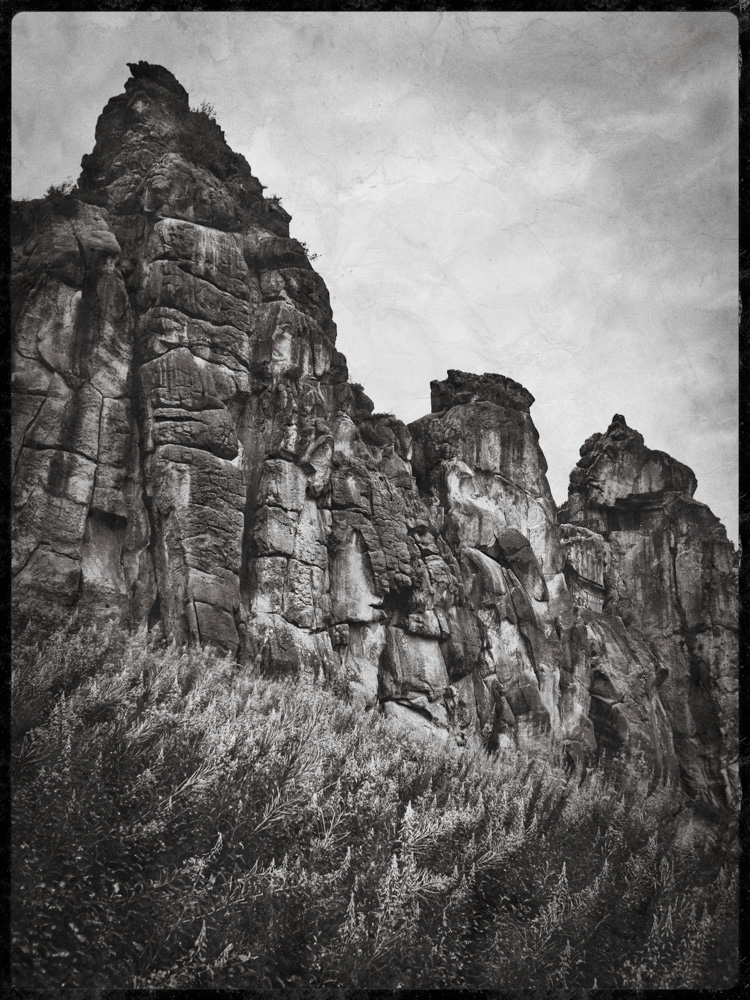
[188, 451]
[640, 546]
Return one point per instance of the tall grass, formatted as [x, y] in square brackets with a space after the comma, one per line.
[182, 822]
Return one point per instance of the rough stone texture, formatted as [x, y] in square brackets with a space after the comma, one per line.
[531, 627]
[660, 562]
[188, 450]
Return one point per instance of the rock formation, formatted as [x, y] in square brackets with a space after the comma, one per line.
[188, 451]
[641, 548]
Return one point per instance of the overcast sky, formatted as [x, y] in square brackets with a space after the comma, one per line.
[549, 196]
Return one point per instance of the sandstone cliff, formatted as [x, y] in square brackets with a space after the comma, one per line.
[188, 451]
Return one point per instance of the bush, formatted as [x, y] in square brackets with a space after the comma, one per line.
[28, 214]
[62, 197]
[59, 190]
[306, 250]
[182, 822]
[205, 108]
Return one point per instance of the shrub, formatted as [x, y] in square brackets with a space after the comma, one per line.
[306, 249]
[201, 142]
[59, 190]
[183, 822]
[62, 197]
[205, 108]
[28, 214]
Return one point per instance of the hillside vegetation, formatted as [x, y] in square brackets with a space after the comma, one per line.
[181, 822]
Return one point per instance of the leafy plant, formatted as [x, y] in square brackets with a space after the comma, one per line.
[306, 249]
[206, 108]
[61, 198]
[183, 822]
[64, 190]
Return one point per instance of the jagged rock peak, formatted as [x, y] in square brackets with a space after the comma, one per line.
[466, 387]
[618, 464]
[156, 155]
[144, 71]
[618, 430]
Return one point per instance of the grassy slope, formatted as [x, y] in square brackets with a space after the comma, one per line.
[179, 822]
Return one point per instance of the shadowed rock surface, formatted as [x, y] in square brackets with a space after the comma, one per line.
[188, 451]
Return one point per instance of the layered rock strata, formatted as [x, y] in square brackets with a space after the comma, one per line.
[188, 451]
